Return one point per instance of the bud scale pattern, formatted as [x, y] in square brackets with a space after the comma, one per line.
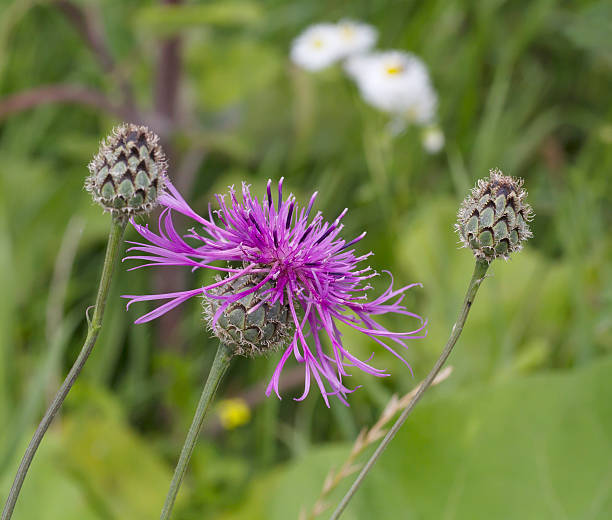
[250, 325]
[493, 219]
[128, 173]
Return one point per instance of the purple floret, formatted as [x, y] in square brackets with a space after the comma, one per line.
[311, 269]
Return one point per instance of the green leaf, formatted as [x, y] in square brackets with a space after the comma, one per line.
[241, 68]
[226, 143]
[120, 471]
[590, 29]
[168, 19]
[536, 448]
[507, 315]
[49, 492]
[92, 466]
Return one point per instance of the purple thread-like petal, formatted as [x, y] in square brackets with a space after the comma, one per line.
[305, 260]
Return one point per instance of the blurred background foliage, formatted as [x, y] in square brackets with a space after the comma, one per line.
[522, 429]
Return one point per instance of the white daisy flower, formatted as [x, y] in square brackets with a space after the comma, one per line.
[357, 65]
[319, 46]
[355, 37]
[395, 82]
[432, 139]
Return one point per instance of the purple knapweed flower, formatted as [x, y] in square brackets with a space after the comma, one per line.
[277, 261]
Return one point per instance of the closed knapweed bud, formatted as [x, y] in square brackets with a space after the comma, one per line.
[493, 219]
[129, 171]
[250, 325]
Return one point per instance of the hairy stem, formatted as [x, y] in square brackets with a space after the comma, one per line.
[218, 369]
[480, 270]
[113, 251]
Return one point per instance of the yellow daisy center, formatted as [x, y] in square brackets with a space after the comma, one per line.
[347, 32]
[395, 69]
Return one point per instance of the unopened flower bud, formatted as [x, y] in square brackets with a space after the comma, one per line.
[129, 171]
[493, 219]
[432, 139]
[250, 325]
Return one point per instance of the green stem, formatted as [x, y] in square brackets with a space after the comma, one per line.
[480, 270]
[94, 325]
[218, 369]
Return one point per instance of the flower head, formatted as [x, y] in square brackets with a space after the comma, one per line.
[296, 265]
[322, 45]
[233, 413]
[432, 139]
[318, 47]
[493, 219]
[395, 82]
[129, 171]
[355, 37]
[251, 325]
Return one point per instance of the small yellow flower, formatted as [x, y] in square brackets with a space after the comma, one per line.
[234, 413]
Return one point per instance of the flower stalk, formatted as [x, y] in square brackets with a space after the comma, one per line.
[365, 439]
[478, 276]
[113, 250]
[220, 365]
